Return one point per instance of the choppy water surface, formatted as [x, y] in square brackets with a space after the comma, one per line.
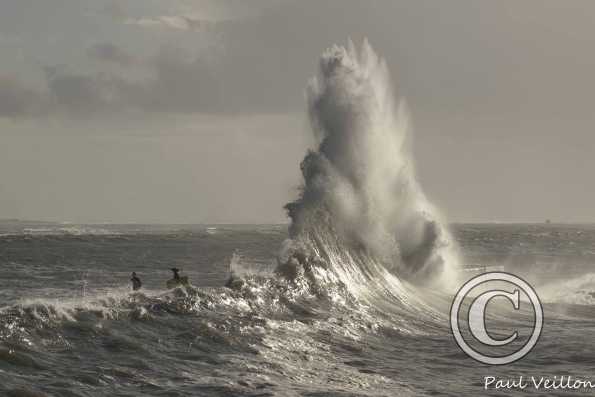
[70, 326]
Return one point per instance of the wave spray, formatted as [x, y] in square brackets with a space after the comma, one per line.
[361, 210]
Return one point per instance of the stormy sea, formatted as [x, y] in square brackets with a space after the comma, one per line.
[351, 298]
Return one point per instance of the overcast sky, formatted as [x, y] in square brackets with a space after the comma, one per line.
[193, 111]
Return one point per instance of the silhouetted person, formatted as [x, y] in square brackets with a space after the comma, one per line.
[136, 283]
[177, 280]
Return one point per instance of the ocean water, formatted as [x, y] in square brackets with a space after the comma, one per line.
[71, 326]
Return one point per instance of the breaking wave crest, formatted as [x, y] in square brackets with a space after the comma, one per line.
[576, 291]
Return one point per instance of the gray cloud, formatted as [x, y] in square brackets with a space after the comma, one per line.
[75, 95]
[114, 10]
[172, 21]
[176, 83]
[17, 100]
[82, 95]
[180, 83]
[109, 52]
[261, 62]
[256, 62]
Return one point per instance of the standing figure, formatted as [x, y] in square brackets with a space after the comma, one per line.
[136, 283]
[177, 280]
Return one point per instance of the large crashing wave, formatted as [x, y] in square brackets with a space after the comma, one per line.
[360, 201]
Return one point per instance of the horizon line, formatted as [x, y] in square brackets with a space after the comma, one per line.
[454, 222]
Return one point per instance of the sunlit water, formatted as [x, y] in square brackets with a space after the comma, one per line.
[70, 325]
